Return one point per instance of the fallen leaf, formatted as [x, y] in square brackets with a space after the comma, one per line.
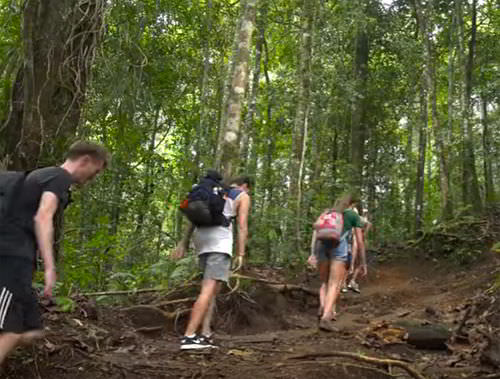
[239, 353]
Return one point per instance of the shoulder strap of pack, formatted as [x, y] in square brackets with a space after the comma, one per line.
[234, 192]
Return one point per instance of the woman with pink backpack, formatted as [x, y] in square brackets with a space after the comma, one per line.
[330, 253]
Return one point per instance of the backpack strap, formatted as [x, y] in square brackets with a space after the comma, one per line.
[345, 235]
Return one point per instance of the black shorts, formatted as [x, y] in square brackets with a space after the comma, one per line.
[19, 309]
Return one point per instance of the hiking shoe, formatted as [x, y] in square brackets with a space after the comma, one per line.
[194, 343]
[208, 340]
[327, 325]
[353, 286]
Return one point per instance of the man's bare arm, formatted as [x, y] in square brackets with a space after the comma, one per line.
[368, 226]
[44, 228]
[187, 236]
[243, 212]
[361, 254]
[183, 244]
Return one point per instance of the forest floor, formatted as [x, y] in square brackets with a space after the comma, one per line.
[271, 332]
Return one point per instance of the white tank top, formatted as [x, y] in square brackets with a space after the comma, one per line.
[218, 239]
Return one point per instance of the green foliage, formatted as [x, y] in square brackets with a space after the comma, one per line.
[149, 102]
[65, 304]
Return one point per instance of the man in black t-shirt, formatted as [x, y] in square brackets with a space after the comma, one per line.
[30, 227]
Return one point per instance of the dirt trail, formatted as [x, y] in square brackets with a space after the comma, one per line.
[266, 334]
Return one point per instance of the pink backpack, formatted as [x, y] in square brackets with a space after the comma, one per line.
[330, 226]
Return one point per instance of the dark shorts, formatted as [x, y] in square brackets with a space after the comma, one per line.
[19, 310]
[325, 251]
[215, 266]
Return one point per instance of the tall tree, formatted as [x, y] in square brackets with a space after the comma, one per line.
[358, 111]
[425, 16]
[472, 195]
[59, 42]
[422, 148]
[227, 154]
[308, 9]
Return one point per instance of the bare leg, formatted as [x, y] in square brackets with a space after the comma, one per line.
[8, 342]
[324, 273]
[337, 275]
[206, 328]
[200, 307]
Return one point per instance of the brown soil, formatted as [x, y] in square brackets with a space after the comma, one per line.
[260, 329]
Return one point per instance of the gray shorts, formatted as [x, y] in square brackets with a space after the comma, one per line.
[215, 266]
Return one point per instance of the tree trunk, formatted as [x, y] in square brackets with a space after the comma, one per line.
[431, 88]
[59, 41]
[268, 168]
[248, 128]
[422, 146]
[228, 154]
[490, 195]
[300, 123]
[148, 187]
[410, 181]
[201, 131]
[358, 128]
[471, 184]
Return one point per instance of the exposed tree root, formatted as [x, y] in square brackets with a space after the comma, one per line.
[385, 363]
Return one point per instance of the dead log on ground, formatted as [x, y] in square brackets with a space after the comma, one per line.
[385, 363]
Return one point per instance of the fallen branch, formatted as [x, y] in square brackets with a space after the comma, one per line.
[176, 301]
[125, 292]
[294, 287]
[151, 329]
[458, 331]
[149, 308]
[279, 286]
[386, 363]
[239, 276]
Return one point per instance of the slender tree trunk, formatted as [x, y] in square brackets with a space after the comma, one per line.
[59, 41]
[451, 81]
[358, 127]
[422, 147]
[409, 181]
[268, 167]
[228, 154]
[248, 129]
[461, 97]
[470, 179]
[303, 99]
[424, 17]
[201, 131]
[449, 142]
[490, 195]
[147, 190]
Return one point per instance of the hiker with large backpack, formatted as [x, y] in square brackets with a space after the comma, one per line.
[212, 210]
[330, 252]
[29, 202]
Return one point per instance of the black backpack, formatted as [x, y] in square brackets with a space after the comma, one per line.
[11, 183]
[204, 205]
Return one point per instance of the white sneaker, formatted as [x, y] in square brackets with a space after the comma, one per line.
[353, 286]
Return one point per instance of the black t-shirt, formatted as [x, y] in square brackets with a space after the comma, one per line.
[17, 237]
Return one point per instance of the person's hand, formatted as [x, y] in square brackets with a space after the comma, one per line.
[364, 270]
[312, 260]
[50, 282]
[179, 252]
[238, 263]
